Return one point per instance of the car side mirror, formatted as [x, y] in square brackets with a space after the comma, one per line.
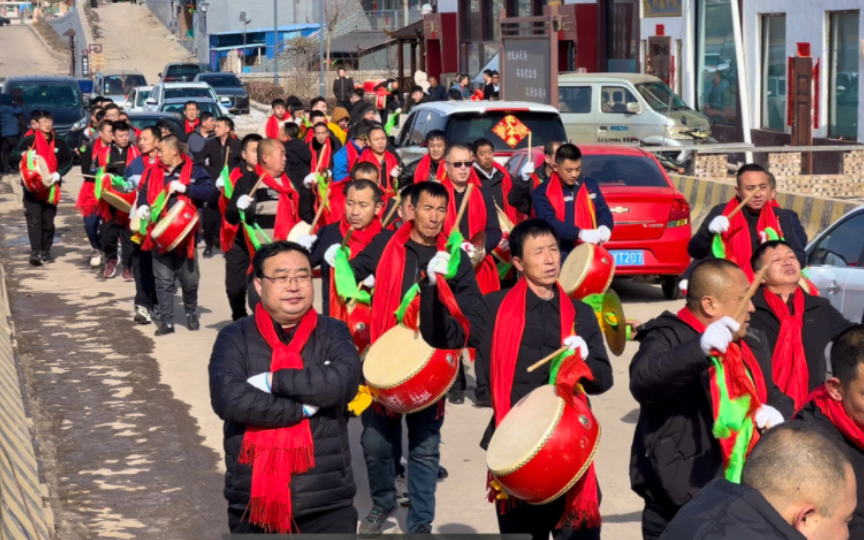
[224, 100]
[150, 102]
[634, 108]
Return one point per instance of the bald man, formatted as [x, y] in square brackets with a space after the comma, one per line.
[796, 485]
[674, 453]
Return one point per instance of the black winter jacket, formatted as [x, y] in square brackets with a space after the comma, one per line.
[724, 510]
[674, 453]
[343, 87]
[212, 157]
[329, 380]
[407, 176]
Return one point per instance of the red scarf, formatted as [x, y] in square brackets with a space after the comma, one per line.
[487, 272]
[327, 151]
[357, 243]
[277, 453]
[583, 501]
[102, 207]
[834, 411]
[46, 151]
[387, 183]
[155, 186]
[271, 130]
[286, 211]
[789, 363]
[421, 173]
[86, 202]
[228, 232]
[743, 376]
[190, 126]
[737, 241]
[585, 217]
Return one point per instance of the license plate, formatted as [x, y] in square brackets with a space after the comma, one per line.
[629, 258]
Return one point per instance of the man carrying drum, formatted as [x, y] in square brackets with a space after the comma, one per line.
[674, 376]
[511, 330]
[573, 204]
[40, 207]
[398, 260]
[175, 181]
[222, 150]
[87, 203]
[530, 178]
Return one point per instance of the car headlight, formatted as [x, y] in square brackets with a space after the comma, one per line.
[81, 124]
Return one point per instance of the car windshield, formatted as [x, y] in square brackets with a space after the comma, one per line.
[616, 170]
[122, 84]
[86, 86]
[48, 95]
[187, 91]
[466, 128]
[186, 72]
[207, 106]
[142, 97]
[660, 97]
[218, 81]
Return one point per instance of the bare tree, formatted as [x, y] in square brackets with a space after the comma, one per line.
[301, 56]
[335, 11]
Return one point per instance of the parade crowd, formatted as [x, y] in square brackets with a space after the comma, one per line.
[743, 432]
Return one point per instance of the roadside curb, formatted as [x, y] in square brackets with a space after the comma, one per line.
[54, 54]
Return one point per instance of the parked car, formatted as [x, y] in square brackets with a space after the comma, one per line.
[836, 261]
[142, 119]
[192, 91]
[177, 105]
[4, 21]
[137, 97]
[652, 219]
[467, 121]
[59, 95]
[227, 85]
[180, 72]
[116, 85]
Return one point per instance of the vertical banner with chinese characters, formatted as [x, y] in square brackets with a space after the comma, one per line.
[526, 70]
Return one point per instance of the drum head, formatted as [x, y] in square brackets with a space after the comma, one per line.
[576, 266]
[396, 357]
[524, 430]
[42, 167]
[299, 230]
[118, 202]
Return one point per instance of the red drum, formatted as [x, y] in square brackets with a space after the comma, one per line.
[175, 226]
[588, 270]
[543, 446]
[35, 173]
[119, 200]
[506, 227]
[359, 322]
[406, 375]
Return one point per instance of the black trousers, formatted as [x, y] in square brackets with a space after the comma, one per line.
[40, 222]
[236, 280]
[113, 235]
[655, 519]
[145, 283]
[345, 104]
[211, 218]
[7, 144]
[340, 521]
[540, 521]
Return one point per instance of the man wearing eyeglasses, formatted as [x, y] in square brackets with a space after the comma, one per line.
[281, 380]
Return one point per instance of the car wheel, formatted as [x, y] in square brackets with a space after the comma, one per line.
[669, 284]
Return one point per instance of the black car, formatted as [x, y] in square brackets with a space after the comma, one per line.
[180, 72]
[148, 118]
[61, 96]
[229, 86]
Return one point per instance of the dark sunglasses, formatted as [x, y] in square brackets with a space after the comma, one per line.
[461, 164]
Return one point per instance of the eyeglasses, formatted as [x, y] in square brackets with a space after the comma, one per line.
[461, 164]
[284, 281]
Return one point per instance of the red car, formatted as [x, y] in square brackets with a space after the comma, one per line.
[652, 219]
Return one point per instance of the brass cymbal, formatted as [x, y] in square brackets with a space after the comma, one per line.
[613, 322]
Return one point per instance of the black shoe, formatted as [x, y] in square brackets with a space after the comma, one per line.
[35, 259]
[422, 529]
[456, 397]
[208, 252]
[192, 322]
[165, 329]
[374, 522]
[46, 257]
[483, 402]
[442, 473]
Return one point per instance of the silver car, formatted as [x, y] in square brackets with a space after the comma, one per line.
[117, 85]
[836, 261]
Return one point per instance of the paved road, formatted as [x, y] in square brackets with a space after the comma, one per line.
[16, 41]
[133, 447]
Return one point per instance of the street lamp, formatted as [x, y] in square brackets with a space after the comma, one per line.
[245, 20]
[275, 42]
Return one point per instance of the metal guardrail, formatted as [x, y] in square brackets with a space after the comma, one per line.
[392, 19]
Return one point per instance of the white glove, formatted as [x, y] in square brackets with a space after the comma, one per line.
[330, 254]
[135, 179]
[143, 213]
[396, 171]
[369, 282]
[307, 240]
[527, 170]
[719, 225]
[55, 177]
[469, 248]
[438, 265]
[576, 342]
[719, 335]
[682, 285]
[260, 382]
[590, 236]
[768, 417]
[309, 410]
[763, 237]
[309, 180]
[244, 202]
[220, 183]
[605, 233]
[176, 187]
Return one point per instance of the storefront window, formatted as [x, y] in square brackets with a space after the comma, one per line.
[623, 35]
[843, 77]
[774, 72]
[718, 72]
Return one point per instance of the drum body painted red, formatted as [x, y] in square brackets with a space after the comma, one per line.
[588, 270]
[177, 224]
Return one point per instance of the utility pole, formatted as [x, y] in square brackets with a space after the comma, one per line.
[321, 27]
[275, 41]
[72, 52]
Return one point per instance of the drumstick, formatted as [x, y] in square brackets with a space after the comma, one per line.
[530, 145]
[257, 185]
[392, 211]
[320, 211]
[745, 302]
[227, 152]
[463, 207]
[741, 204]
[347, 236]
[320, 157]
[547, 359]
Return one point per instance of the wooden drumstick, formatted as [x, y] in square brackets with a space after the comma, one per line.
[547, 359]
[227, 153]
[320, 211]
[347, 237]
[745, 302]
[257, 185]
[320, 158]
[392, 211]
[463, 207]
[742, 204]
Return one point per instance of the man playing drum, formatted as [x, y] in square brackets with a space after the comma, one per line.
[573, 204]
[40, 207]
[531, 319]
[431, 166]
[388, 163]
[281, 380]
[87, 203]
[676, 382]
[175, 181]
[520, 196]
[398, 261]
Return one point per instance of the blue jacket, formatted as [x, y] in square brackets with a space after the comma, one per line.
[567, 232]
[201, 188]
[340, 161]
[8, 118]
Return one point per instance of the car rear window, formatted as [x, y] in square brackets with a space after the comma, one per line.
[122, 84]
[616, 170]
[203, 107]
[190, 92]
[185, 72]
[48, 95]
[468, 127]
[142, 97]
[220, 80]
[86, 86]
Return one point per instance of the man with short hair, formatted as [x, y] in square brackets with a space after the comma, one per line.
[190, 113]
[437, 92]
[796, 485]
[673, 378]
[112, 112]
[798, 326]
[319, 104]
[203, 132]
[221, 151]
[835, 410]
[278, 116]
[389, 164]
[520, 196]
[573, 203]
[416, 97]
[345, 158]
[491, 90]
[495, 179]
[298, 165]
[87, 203]
[430, 167]
[343, 89]
[281, 380]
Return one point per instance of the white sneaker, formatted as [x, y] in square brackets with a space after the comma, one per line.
[95, 259]
[142, 315]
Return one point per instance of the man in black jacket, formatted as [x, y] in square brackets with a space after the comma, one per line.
[222, 150]
[251, 386]
[798, 326]
[433, 161]
[835, 410]
[796, 485]
[520, 196]
[298, 164]
[537, 256]
[674, 453]
[202, 133]
[343, 87]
